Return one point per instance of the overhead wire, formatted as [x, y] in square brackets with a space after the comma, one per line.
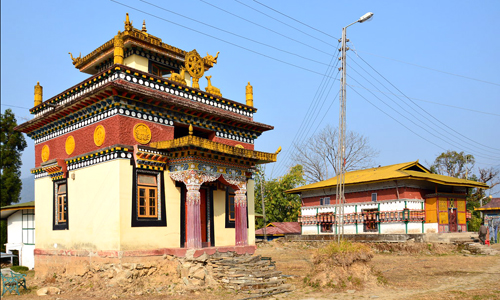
[264, 27]
[232, 33]
[298, 21]
[422, 109]
[283, 23]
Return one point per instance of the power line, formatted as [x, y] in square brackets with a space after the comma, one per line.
[235, 34]
[283, 23]
[422, 109]
[264, 27]
[435, 134]
[277, 11]
[432, 69]
[219, 39]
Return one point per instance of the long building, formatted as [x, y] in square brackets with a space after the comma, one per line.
[401, 198]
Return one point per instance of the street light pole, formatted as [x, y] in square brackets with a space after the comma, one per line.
[340, 197]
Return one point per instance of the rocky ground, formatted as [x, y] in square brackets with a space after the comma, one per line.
[402, 271]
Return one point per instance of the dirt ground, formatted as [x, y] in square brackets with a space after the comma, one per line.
[418, 271]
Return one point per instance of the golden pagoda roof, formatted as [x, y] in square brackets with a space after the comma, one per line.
[131, 37]
[410, 170]
[198, 142]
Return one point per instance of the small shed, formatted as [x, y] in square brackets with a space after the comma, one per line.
[20, 231]
[278, 229]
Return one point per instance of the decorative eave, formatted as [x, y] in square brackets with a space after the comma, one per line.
[56, 169]
[194, 141]
[122, 80]
[149, 158]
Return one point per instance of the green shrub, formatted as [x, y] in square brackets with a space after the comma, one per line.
[19, 269]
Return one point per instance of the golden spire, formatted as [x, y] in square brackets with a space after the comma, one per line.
[118, 44]
[190, 129]
[38, 93]
[249, 94]
[144, 26]
[128, 24]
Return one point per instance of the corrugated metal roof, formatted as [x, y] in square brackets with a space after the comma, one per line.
[494, 204]
[280, 228]
[410, 170]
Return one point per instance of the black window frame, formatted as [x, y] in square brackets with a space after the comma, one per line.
[161, 220]
[374, 197]
[229, 223]
[56, 225]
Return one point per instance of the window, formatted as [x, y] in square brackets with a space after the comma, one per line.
[160, 70]
[230, 205]
[230, 208]
[60, 205]
[148, 196]
[324, 201]
[374, 197]
[148, 204]
[28, 220]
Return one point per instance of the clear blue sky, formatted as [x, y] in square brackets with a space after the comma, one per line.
[443, 55]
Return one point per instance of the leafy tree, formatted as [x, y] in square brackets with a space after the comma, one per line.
[319, 154]
[12, 143]
[280, 207]
[454, 164]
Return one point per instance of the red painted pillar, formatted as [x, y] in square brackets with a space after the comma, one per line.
[240, 206]
[193, 222]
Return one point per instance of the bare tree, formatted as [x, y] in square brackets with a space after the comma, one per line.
[490, 177]
[319, 158]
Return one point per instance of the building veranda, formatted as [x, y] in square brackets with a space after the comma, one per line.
[403, 198]
[138, 160]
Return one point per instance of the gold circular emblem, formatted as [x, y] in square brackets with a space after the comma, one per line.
[99, 135]
[70, 145]
[142, 134]
[194, 64]
[45, 153]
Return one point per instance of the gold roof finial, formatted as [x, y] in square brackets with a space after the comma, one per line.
[38, 94]
[128, 24]
[190, 129]
[249, 91]
[144, 26]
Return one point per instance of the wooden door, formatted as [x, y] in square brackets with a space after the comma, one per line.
[452, 219]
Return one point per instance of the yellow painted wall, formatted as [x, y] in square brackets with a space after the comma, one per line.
[223, 236]
[44, 214]
[144, 238]
[431, 210]
[137, 62]
[93, 212]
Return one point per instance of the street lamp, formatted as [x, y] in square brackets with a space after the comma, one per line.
[340, 198]
[481, 203]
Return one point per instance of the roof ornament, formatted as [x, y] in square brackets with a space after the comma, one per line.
[210, 60]
[128, 24]
[144, 26]
[38, 94]
[249, 92]
[118, 51]
[278, 151]
[194, 66]
[190, 129]
[212, 89]
[75, 59]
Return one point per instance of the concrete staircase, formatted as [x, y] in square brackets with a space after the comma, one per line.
[252, 275]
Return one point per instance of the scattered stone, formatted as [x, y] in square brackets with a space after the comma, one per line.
[48, 291]
[114, 296]
[351, 291]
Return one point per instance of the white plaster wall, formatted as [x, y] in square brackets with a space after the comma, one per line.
[309, 229]
[15, 228]
[431, 227]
